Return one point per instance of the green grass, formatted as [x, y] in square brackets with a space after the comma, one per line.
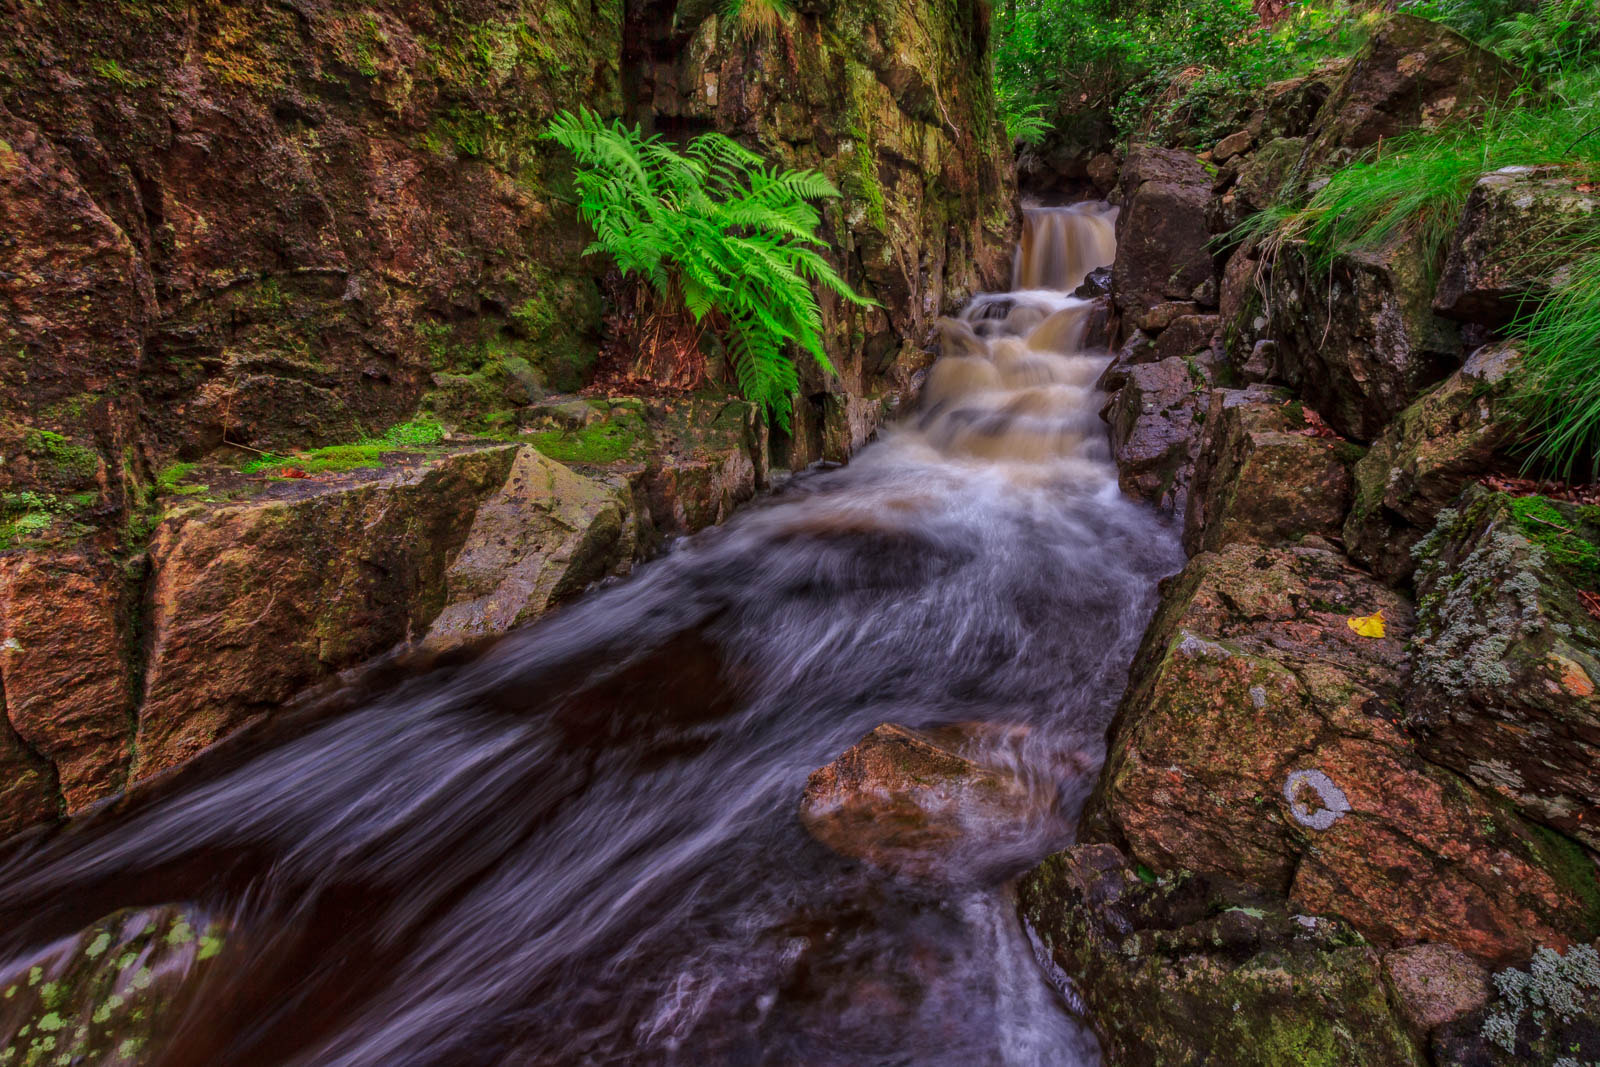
[1416, 186]
[1560, 386]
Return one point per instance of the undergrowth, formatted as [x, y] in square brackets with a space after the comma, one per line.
[714, 230]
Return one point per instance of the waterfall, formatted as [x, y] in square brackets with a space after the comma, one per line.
[1061, 245]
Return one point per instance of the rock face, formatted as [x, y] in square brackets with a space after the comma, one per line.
[904, 802]
[1494, 265]
[1261, 479]
[1426, 457]
[1194, 969]
[892, 101]
[1435, 985]
[1412, 74]
[102, 996]
[1508, 654]
[1360, 341]
[1163, 251]
[1260, 741]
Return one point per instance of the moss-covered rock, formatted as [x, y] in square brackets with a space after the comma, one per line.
[1190, 969]
[109, 994]
[1261, 740]
[1508, 655]
[1262, 478]
[1449, 438]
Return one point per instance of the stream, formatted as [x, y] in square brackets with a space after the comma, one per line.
[582, 847]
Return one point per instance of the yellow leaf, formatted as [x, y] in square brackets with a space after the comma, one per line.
[1369, 625]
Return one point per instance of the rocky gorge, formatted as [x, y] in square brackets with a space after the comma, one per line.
[294, 468]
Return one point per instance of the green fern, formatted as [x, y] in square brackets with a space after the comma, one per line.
[715, 228]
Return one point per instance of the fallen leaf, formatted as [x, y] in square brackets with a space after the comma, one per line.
[1368, 625]
[292, 472]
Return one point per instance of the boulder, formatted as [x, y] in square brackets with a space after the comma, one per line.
[1412, 73]
[1154, 431]
[1501, 261]
[1260, 740]
[1264, 476]
[1158, 317]
[539, 540]
[1358, 341]
[64, 669]
[1254, 184]
[903, 801]
[1163, 245]
[1235, 144]
[1449, 438]
[1293, 105]
[1508, 654]
[1191, 969]
[1139, 348]
[1546, 1014]
[708, 456]
[110, 993]
[251, 602]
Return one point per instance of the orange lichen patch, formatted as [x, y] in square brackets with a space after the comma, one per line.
[1574, 679]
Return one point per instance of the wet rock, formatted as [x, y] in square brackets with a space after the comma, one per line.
[1195, 969]
[904, 802]
[1163, 251]
[1139, 348]
[1508, 655]
[1260, 740]
[849, 422]
[1158, 318]
[545, 535]
[1412, 74]
[107, 995]
[1360, 341]
[708, 456]
[64, 669]
[252, 602]
[1096, 285]
[1154, 433]
[1434, 985]
[1260, 478]
[1449, 438]
[1186, 336]
[1499, 261]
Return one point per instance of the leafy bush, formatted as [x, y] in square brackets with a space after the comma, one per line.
[1160, 63]
[714, 229]
[1545, 36]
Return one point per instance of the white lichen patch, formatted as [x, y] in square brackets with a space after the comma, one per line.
[1314, 800]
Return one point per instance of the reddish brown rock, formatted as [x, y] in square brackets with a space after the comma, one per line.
[1187, 335]
[251, 603]
[1451, 437]
[1260, 740]
[64, 668]
[1262, 477]
[904, 802]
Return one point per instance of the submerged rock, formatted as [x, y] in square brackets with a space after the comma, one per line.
[1449, 438]
[106, 995]
[1502, 260]
[1508, 656]
[1261, 478]
[1260, 740]
[1191, 969]
[904, 802]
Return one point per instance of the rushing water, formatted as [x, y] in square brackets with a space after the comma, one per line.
[583, 846]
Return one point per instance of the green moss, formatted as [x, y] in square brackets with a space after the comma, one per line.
[61, 461]
[1570, 865]
[602, 442]
[111, 71]
[1543, 524]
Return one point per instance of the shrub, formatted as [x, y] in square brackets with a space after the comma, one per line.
[715, 230]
